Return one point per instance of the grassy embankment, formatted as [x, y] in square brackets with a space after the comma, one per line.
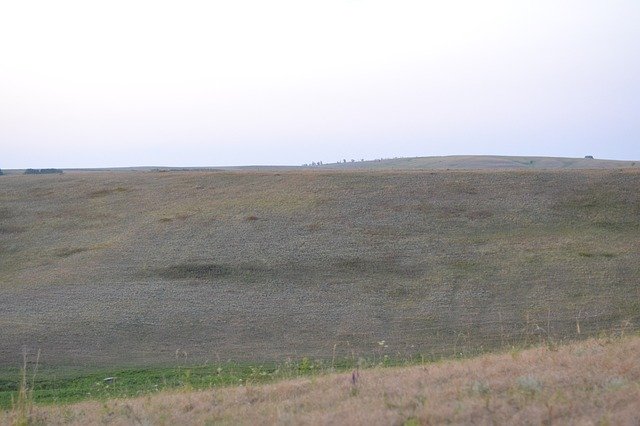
[65, 385]
[591, 382]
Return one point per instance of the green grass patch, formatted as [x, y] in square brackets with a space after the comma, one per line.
[65, 385]
[60, 386]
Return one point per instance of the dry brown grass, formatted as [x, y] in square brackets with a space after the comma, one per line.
[587, 383]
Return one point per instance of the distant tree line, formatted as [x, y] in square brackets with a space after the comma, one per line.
[1, 172]
[344, 161]
[42, 171]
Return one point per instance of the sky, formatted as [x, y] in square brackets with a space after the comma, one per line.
[239, 82]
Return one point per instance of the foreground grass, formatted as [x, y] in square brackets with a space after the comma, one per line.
[64, 386]
[591, 382]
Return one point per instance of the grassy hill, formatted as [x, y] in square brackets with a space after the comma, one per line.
[452, 162]
[482, 162]
[142, 268]
[594, 382]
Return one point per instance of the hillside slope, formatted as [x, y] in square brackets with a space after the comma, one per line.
[482, 162]
[133, 268]
[594, 382]
[450, 162]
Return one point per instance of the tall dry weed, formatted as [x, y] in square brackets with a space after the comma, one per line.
[22, 405]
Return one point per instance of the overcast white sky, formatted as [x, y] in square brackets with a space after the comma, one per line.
[187, 83]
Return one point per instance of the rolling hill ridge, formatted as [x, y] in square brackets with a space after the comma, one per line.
[130, 268]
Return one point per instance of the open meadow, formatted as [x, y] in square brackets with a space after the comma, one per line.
[149, 269]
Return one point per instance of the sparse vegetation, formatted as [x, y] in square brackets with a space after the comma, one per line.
[116, 273]
[435, 263]
[22, 401]
[592, 382]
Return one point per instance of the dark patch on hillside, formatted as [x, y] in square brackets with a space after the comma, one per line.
[6, 228]
[363, 267]
[70, 251]
[343, 267]
[5, 213]
[11, 229]
[197, 271]
[107, 191]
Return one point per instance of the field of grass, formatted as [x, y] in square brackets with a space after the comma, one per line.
[451, 162]
[65, 385]
[592, 382]
[481, 162]
[128, 269]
